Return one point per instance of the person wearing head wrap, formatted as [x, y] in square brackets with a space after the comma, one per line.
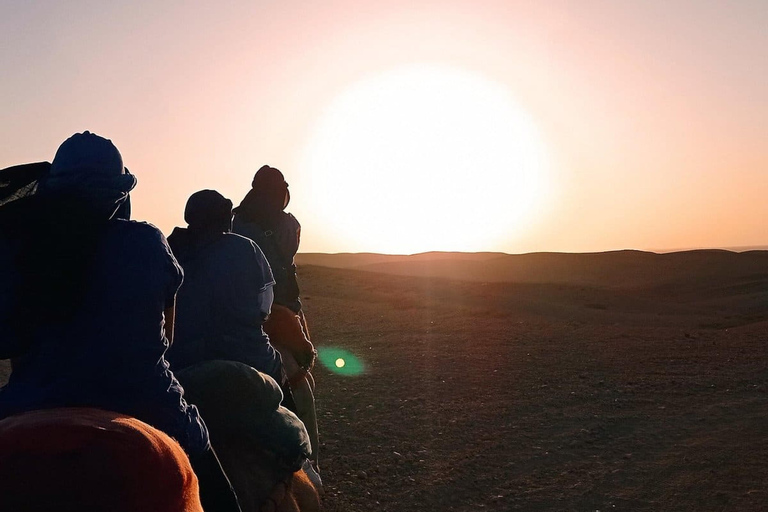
[227, 291]
[261, 217]
[86, 305]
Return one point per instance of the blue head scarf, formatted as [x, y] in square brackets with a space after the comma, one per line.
[90, 168]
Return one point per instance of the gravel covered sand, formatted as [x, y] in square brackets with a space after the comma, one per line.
[541, 397]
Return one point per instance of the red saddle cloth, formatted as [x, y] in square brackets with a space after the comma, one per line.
[81, 459]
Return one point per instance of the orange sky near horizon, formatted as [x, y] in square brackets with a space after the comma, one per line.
[648, 120]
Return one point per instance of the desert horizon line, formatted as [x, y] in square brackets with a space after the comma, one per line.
[733, 249]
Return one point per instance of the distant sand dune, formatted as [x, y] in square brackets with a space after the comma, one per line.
[616, 270]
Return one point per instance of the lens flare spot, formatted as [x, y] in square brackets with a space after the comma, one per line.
[340, 361]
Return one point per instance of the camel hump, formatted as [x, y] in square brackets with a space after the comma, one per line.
[90, 459]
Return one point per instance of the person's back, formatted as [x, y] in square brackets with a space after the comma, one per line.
[226, 295]
[218, 314]
[261, 217]
[84, 296]
[109, 354]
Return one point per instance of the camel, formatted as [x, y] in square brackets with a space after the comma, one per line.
[260, 444]
[289, 335]
[84, 459]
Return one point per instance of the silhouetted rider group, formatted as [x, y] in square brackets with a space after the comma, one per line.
[88, 297]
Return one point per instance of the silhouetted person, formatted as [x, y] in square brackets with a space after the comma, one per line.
[86, 305]
[261, 217]
[227, 291]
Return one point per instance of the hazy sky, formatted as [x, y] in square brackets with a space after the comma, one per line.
[650, 118]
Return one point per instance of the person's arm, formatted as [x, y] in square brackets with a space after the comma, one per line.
[265, 302]
[303, 320]
[289, 236]
[173, 276]
[170, 316]
[257, 279]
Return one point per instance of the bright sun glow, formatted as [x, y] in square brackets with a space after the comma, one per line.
[426, 158]
[340, 363]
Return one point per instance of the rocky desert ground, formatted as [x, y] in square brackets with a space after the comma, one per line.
[629, 381]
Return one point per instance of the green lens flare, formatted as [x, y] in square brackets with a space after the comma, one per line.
[340, 361]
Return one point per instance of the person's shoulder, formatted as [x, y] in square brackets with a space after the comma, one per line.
[245, 250]
[290, 220]
[139, 233]
[243, 227]
[139, 228]
[238, 243]
[237, 240]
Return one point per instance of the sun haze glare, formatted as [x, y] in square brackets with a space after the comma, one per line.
[426, 158]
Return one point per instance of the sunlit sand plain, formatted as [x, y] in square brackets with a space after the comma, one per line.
[614, 381]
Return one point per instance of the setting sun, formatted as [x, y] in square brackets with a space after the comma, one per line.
[426, 158]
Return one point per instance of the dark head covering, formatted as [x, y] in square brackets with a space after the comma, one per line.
[272, 180]
[267, 198]
[209, 215]
[90, 168]
[207, 210]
